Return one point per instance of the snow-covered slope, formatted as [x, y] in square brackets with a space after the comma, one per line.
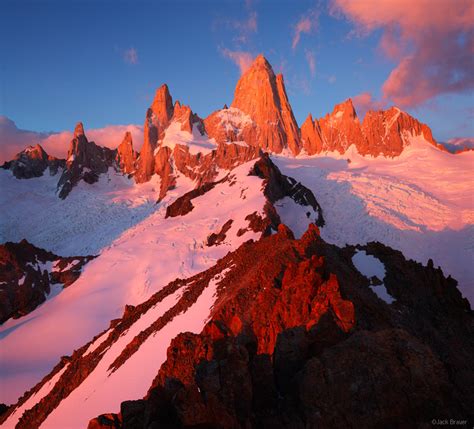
[144, 258]
[420, 203]
[89, 219]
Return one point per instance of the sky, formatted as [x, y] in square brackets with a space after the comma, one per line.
[100, 62]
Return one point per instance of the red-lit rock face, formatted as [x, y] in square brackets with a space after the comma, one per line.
[126, 156]
[261, 95]
[382, 133]
[295, 334]
[158, 117]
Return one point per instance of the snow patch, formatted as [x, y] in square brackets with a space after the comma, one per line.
[196, 142]
[419, 203]
[370, 266]
[295, 216]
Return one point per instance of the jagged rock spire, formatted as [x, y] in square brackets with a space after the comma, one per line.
[158, 117]
[262, 95]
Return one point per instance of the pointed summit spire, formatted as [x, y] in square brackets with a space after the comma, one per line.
[262, 95]
[157, 119]
[79, 130]
[162, 106]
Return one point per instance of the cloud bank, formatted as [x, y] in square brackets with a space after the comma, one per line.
[432, 43]
[14, 140]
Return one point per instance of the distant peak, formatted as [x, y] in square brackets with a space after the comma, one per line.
[79, 130]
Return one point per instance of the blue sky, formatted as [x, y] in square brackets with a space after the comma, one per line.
[101, 61]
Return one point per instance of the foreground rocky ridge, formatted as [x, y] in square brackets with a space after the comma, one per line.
[27, 274]
[295, 337]
[293, 344]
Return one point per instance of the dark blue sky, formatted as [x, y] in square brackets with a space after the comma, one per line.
[64, 61]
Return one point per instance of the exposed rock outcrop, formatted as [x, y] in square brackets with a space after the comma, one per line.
[382, 133]
[32, 162]
[158, 117]
[27, 273]
[297, 336]
[126, 156]
[199, 167]
[260, 113]
[85, 161]
[386, 132]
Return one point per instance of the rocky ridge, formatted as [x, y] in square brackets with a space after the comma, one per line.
[260, 118]
[295, 335]
[27, 274]
[32, 162]
[382, 133]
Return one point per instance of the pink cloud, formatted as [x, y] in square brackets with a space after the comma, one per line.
[364, 102]
[242, 59]
[130, 56]
[432, 43]
[306, 24]
[14, 140]
[459, 143]
[244, 28]
[311, 60]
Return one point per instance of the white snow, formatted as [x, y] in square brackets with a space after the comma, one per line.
[140, 262]
[90, 218]
[370, 266]
[295, 216]
[194, 141]
[420, 203]
[104, 390]
[234, 120]
[33, 400]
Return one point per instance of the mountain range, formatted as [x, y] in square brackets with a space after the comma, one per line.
[239, 271]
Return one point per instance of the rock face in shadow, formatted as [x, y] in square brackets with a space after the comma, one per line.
[27, 274]
[32, 162]
[296, 337]
[85, 161]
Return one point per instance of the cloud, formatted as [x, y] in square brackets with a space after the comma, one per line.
[431, 42]
[130, 56]
[311, 60]
[242, 59]
[14, 140]
[459, 143]
[306, 24]
[244, 28]
[364, 102]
